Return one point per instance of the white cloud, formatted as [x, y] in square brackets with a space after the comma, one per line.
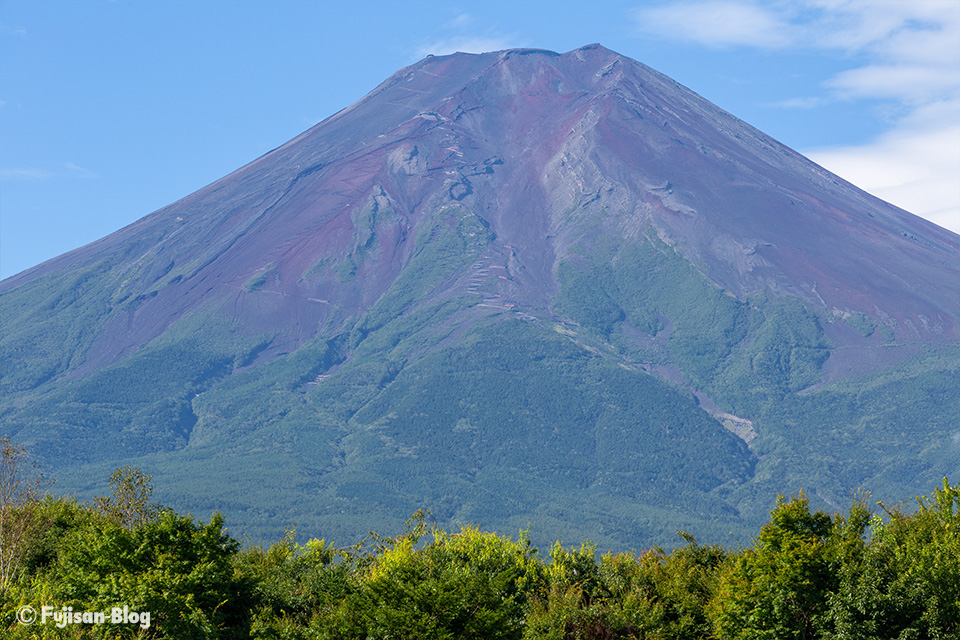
[911, 84]
[24, 174]
[911, 61]
[462, 20]
[716, 23]
[68, 170]
[915, 166]
[10, 30]
[465, 33]
[914, 30]
[76, 171]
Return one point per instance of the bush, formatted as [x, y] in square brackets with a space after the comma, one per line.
[179, 570]
[782, 588]
[294, 585]
[466, 585]
[906, 583]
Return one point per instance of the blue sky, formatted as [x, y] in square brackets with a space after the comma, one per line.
[111, 109]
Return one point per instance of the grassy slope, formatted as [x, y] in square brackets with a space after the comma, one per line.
[514, 423]
[760, 359]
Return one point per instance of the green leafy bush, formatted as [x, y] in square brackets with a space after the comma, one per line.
[906, 581]
[178, 569]
[782, 587]
[465, 585]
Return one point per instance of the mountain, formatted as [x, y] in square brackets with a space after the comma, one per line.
[516, 288]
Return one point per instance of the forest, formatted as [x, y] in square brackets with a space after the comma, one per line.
[123, 566]
[606, 422]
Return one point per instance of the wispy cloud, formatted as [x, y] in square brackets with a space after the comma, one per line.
[76, 171]
[461, 21]
[716, 23]
[915, 166]
[65, 170]
[909, 83]
[919, 30]
[465, 33]
[910, 59]
[8, 30]
[25, 174]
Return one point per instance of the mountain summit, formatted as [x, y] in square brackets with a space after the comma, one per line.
[511, 287]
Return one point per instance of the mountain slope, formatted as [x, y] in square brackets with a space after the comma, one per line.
[511, 287]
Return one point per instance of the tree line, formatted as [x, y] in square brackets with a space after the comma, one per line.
[874, 572]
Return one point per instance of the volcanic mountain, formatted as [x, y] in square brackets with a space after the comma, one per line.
[516, 288]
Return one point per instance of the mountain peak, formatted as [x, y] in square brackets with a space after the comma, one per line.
[526, 270]
[523, 137]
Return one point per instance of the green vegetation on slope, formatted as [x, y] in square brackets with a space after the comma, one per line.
[47, 326]
[563, 419]
[762, 359]
[445, 242]
[140, 404]
[745, 353]
[483, 415]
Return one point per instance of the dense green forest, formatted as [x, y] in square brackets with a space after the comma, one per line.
[876, 571]
[606, 416]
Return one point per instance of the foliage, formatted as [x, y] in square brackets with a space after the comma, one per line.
[390, 410]
[48, 324]
[294, 585]
[586, 303]
[130, 504]
[467, 585]
[20, 486]
[781, 588]
[649, 439]
[450, 239]
[906, 583]
[176, 568]
[655, 595]
[809, 574]
[861, 323]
